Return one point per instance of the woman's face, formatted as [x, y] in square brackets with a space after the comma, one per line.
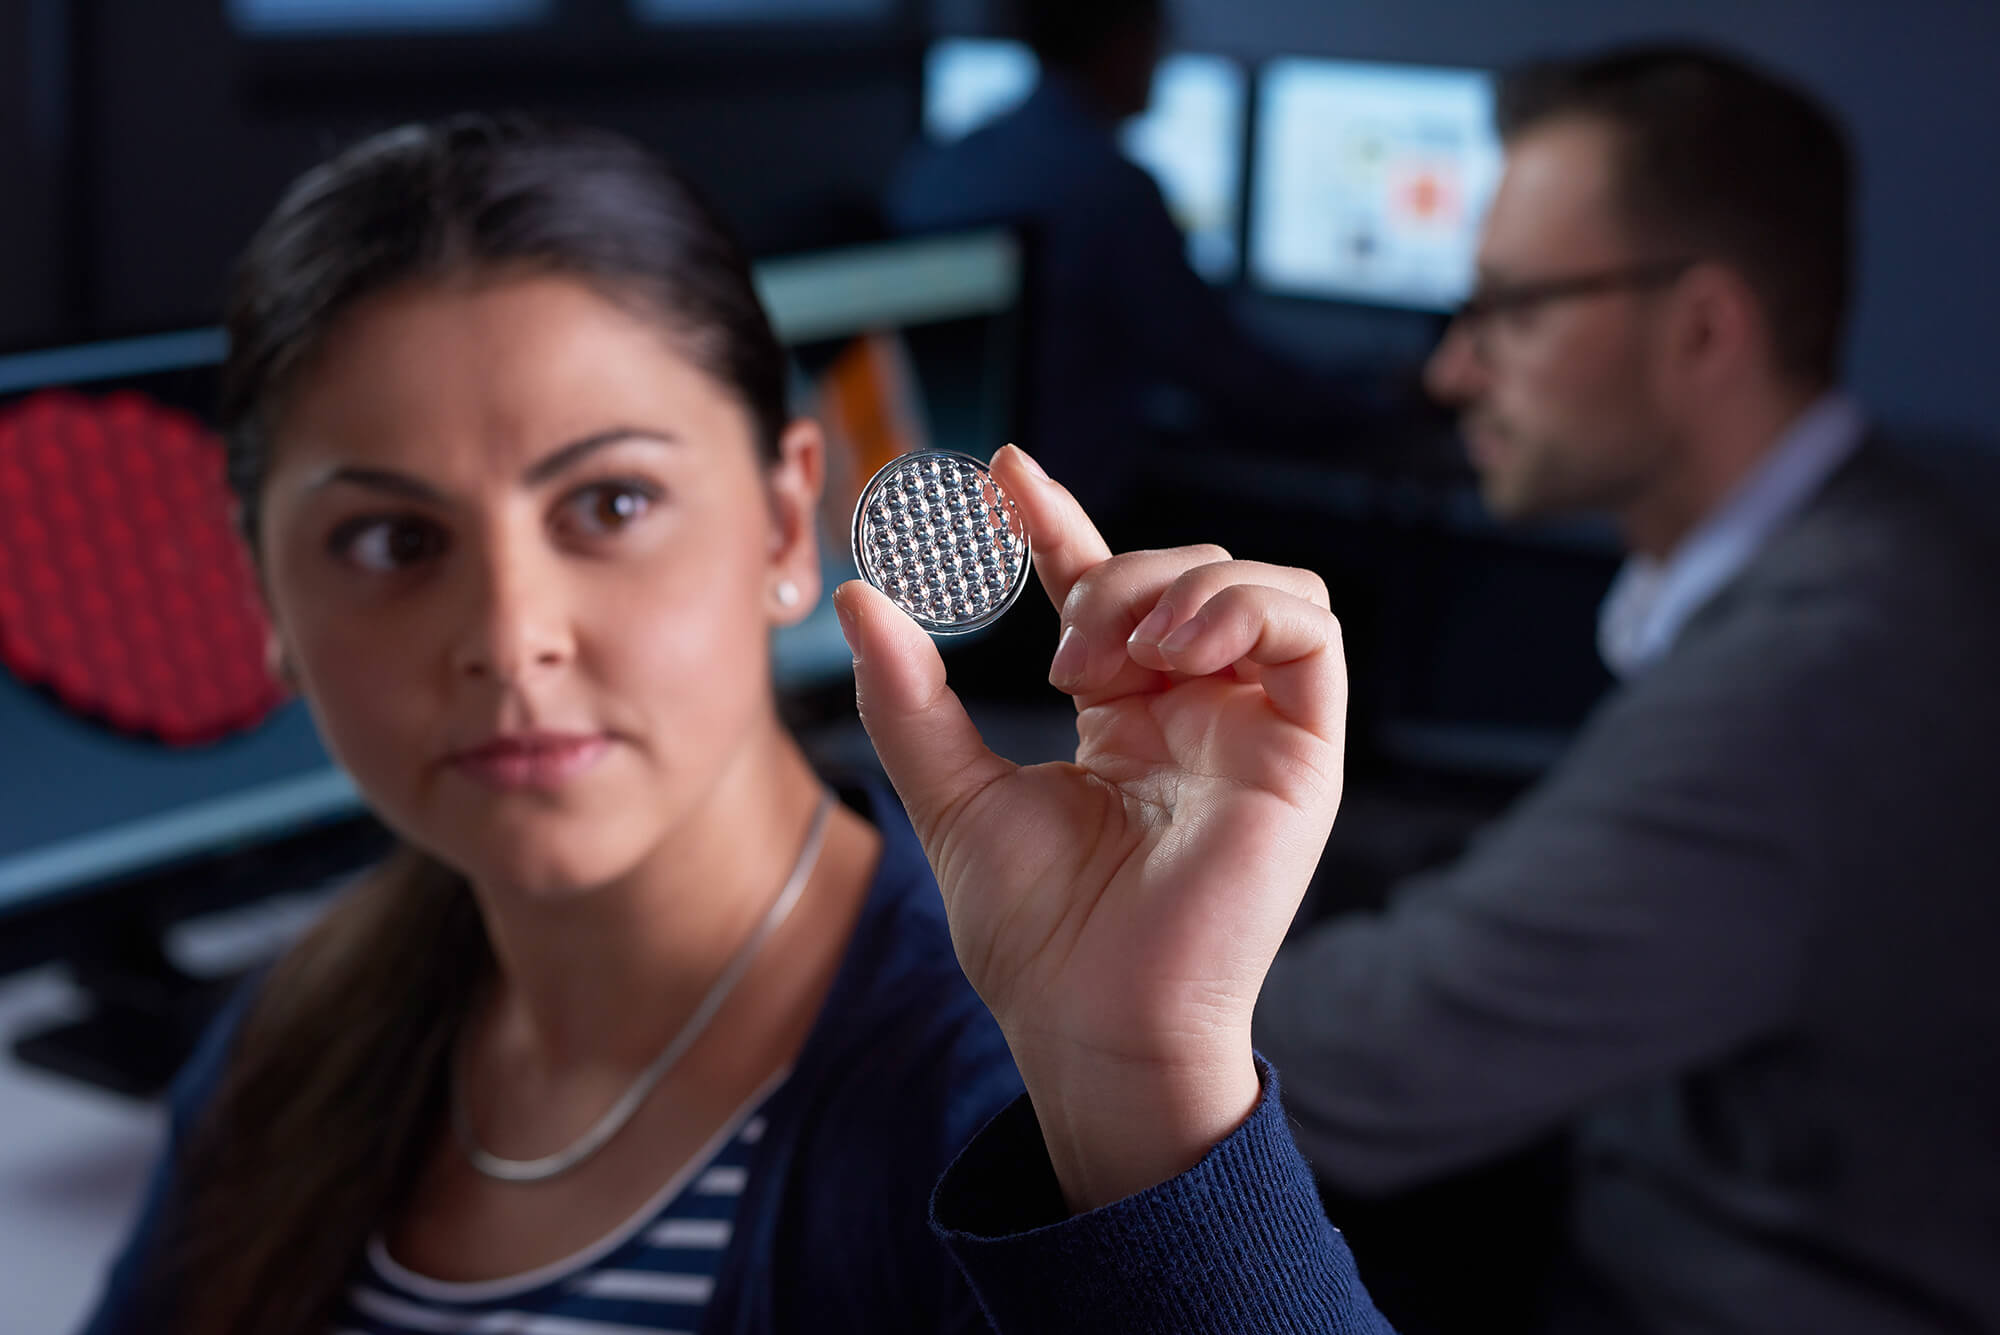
[523, 559]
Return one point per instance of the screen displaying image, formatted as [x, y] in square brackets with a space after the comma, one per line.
[969, 81]
[1371, 180]
[1190, 139]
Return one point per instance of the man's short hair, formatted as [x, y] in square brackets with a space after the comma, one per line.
[1719, 160]
[1066, 34]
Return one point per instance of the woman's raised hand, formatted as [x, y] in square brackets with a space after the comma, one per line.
[1118, 914]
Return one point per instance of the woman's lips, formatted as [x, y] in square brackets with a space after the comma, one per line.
[542, 761]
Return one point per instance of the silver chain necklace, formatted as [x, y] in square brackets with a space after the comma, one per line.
[613, 1121]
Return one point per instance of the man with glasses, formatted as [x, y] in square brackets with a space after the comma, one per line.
[1740, 941]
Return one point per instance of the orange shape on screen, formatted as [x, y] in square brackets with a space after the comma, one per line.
[124, 589]
[1426, 197]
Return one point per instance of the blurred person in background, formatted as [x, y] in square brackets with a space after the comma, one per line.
[1740, 940]
[646, 1028]
[1118, 312]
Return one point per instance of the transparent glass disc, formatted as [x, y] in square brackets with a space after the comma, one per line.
[935, 532]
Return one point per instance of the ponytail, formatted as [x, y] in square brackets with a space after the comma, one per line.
[333, 1095]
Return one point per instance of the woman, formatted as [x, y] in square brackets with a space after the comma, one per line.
[644, 1031]
[508, 427]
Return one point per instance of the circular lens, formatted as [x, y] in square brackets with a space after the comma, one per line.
[936, 534]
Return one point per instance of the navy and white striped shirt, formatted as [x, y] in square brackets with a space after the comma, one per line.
[832, 1232]
[652, 1274]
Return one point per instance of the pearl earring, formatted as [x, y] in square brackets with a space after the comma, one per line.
[788, 593]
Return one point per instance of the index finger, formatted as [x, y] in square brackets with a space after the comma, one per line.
[1067, 545]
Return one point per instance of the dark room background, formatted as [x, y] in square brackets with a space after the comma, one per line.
[141, 139]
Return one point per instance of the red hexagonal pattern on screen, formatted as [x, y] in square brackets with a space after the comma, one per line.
[124, 590]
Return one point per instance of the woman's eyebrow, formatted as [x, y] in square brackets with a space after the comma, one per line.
[542, 470]
[378, 479]
[566, 458]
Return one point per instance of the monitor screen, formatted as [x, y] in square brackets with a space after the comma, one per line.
[1370, 181]
[907, 345]
[1190, 139]
[88, 801]
[87, 805]
[969, 81]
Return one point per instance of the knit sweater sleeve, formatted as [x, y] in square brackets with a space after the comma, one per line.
[1237, 1244]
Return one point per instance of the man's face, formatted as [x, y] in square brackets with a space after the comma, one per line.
[1559, 397]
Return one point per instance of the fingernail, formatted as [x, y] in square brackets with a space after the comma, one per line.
[1183, 637]
[1029, 460]
[1154, 626]
[1072, 656]
[847, 626]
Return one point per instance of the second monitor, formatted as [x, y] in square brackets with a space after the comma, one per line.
[1371, 180]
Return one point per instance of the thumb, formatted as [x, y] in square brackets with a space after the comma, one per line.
[932, 752]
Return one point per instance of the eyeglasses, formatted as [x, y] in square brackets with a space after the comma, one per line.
[1475, 317]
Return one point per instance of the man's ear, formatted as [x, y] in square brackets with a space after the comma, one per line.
[1719, 324]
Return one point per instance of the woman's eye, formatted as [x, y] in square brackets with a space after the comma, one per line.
[607, 507]
[384, 546]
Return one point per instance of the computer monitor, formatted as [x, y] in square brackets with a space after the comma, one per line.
[86, 805]
[908, 344]
[971, 81]
[1190, 139]
[1370, 181]
[95, 822]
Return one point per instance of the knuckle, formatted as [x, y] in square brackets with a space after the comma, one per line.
[1195, 585]
[1239, 604]
[1087, 591]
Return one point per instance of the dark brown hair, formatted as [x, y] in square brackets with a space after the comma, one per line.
[1069, 34]
[335, 1084]
[478, 194]
[1719, 160]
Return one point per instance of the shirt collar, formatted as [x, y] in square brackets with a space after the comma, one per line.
[1651, 600]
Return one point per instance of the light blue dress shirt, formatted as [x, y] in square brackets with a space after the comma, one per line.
[1651, 600]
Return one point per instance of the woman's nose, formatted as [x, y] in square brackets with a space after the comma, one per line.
[515, 621]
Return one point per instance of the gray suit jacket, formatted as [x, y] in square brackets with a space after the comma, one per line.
[1745, 940]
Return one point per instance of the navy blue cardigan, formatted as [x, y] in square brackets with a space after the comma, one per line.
[835, 1231]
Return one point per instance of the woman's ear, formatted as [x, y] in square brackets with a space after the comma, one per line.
[795, 481]
[279, 663]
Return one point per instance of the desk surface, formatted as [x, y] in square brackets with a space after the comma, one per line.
[72, 1165]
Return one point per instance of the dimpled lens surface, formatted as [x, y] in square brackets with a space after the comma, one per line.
[936, 534]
